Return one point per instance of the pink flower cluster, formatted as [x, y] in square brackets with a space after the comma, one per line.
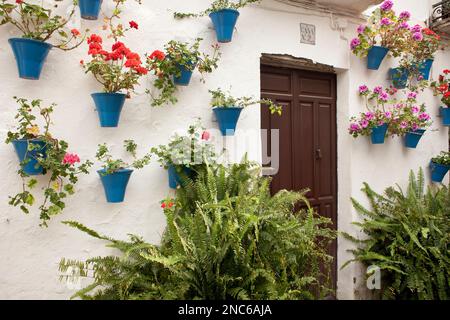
[71, 158]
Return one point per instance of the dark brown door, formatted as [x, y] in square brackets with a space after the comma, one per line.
[307, 135]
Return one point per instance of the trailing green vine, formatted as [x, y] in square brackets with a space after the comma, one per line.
[217, 5]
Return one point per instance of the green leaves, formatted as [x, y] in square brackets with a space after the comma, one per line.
[407, 236]
[216, 5]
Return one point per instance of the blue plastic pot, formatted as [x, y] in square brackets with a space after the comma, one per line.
[412, 138]
[227, 118]
[32, 166]
[185, 78]
[445, 114]
[224, 22]
[425, 68]
[376, 56]
[378, 134]
[90, 9]
[115, 184]
[30, 56]
[174, 176]
[438, 171]
[399, 77]
[109, 106]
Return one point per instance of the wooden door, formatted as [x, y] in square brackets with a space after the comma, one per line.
[307, 136]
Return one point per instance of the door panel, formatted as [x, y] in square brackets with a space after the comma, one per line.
[308, 150]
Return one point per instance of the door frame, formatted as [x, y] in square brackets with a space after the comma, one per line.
[288, 62]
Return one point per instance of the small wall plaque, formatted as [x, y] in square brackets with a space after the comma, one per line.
[307, 33]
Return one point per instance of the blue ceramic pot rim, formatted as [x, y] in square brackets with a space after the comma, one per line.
[108, 94]
[102, 171]
[439, 164]
[225, 10]
[375, 46]
[30, 40]
[32, 140]
[223, 108]
[418, 131]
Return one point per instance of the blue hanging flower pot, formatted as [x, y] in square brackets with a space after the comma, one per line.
[375, 57]
[174, 177]
[227, 118]
[399, 77]
[438, 171]
[185, 75]
[115, 184]
[90, 9]
[109, 106]
[412, 138]
[445, 114]
[378, 134]
[224, 22]
[28, 157]
[425, 68]
[30, 56]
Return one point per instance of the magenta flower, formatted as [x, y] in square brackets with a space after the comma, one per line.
[361, 29]
[414, 126]
[418, 36]
[380, 123]
[403, 125]
[364, 123]
[399, 106]
[354, 43]
[412, 95]
[388, 114]
[415, 109]
[405, 15]
[378, 90]
[387, 5]
[386, 22]
[363, 89]
[369, 115]
[71, 158]
[384, 96]
[403, 25]
[354, 127]
[416, 28]
[424, 116]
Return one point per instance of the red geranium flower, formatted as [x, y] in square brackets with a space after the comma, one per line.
[447, 94]
[205, 135]
[429, 32]
[159, 55]
[19, 1]
[141, 70]
[133, 24]
[446, 71]
[75, 32]
[443, 87]
[94, 39]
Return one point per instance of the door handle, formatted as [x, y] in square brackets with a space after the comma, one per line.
[318, 154]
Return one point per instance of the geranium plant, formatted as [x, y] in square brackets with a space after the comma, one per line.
[111, 165]
[188, 150]
[168, 66]
[222, 99]
[216, 6]
[50, 154]
[116, 70]
[377, 111]
[441, 87]
[384, 28]
[443, 158]
[36, 22]
[409, 116]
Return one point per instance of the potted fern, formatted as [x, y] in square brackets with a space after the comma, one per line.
[116, 173]
[38, 25]
[441, 88]
[39, 152]
[223, 14]
[184, 153]
[385, 32]
[175, 67]
[375, 121]
[439, 166]
[227, 109]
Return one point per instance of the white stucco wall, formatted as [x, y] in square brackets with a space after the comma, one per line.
[29, 255]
